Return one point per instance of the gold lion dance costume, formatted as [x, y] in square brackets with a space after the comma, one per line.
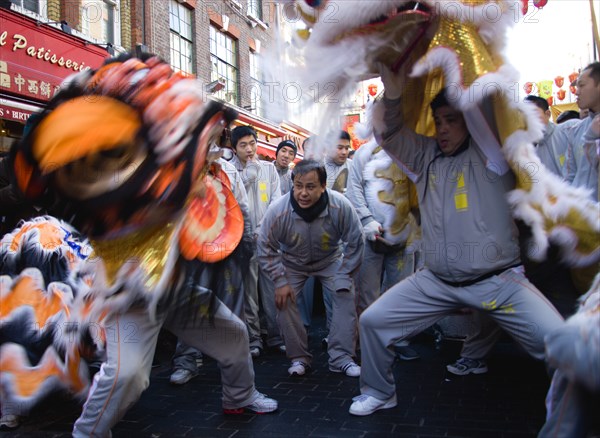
[129, 150]
[457, 46]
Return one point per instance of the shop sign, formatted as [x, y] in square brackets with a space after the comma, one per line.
[35, 58]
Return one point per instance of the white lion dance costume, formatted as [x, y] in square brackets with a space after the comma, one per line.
[126, 149]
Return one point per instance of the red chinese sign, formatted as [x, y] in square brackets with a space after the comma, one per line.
[35, 57]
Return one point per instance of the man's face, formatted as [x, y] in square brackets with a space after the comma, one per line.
[246, 149]
[307, 189]
[284, 157]
[451, 129]
[588, 92]
[340, 155]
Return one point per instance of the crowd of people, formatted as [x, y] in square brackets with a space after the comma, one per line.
[315, 221]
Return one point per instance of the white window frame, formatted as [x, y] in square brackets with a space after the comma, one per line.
[42, 7]
[176, 36]
[116, 28]
[257, 83]
[231, 92]
[255, 9]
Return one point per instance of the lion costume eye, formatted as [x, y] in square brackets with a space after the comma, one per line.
[315, 3]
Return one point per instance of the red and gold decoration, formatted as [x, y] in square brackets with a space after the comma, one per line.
[573, 77]
[372, 88]
[559, 81]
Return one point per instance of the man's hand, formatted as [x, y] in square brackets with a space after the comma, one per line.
[392, 83]
[372, 230]
[282, 294]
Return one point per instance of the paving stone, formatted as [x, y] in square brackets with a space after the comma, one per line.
[507, 402]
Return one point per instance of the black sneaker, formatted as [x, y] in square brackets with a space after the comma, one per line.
[464, 366]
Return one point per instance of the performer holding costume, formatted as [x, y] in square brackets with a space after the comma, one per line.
[126, 149]
[483, 133]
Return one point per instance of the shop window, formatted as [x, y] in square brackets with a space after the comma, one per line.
[181, 37]
[224, 65]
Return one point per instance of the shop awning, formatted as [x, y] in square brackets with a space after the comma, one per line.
[15, 110]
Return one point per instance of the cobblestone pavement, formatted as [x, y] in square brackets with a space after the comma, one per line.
[506, 402]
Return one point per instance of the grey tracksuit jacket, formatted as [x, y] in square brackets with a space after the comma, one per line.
[286, 241]
[468, 230]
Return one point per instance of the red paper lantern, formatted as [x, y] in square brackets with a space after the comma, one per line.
[573, 89]
[528, 87]
[540, 3]
[561, 94]
[573, 77]
[559, 81]
[550, 101]
[372, 89]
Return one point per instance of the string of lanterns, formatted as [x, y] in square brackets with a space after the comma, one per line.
[559, 81]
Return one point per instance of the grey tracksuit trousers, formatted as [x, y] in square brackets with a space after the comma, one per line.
[131, 340]
[420, 300]
[342, 333]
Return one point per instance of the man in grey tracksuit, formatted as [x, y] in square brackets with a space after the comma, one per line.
[552, 148]
[470, 246]
[583, 154]
[303, 235]
[262, 187]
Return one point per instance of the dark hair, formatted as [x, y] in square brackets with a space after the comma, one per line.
[287, 143]
[439, 100]
[594, 71]
[567, 115]
[306, 166]
[540, 102]
[241, 131]
[344, 135]
[308, 141]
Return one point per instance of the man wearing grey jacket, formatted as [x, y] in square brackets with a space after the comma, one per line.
[470, 245]
[262, 187]
[302, 235]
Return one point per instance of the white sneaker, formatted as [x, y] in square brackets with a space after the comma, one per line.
[261, 405]
[366, 404]
[9, 422]
[181, 376]
[350, 369]
[298, 367]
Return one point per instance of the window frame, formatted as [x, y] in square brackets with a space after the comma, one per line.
[42, 7]
[177, 37]
[255, 9]
[229, 62]
[257, 80]
[107, 32]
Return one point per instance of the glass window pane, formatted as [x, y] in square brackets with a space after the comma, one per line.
[181, 38]
[31, 5]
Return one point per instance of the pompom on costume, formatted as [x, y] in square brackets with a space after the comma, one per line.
[129, 150]
[46, 339]
[458, 45]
